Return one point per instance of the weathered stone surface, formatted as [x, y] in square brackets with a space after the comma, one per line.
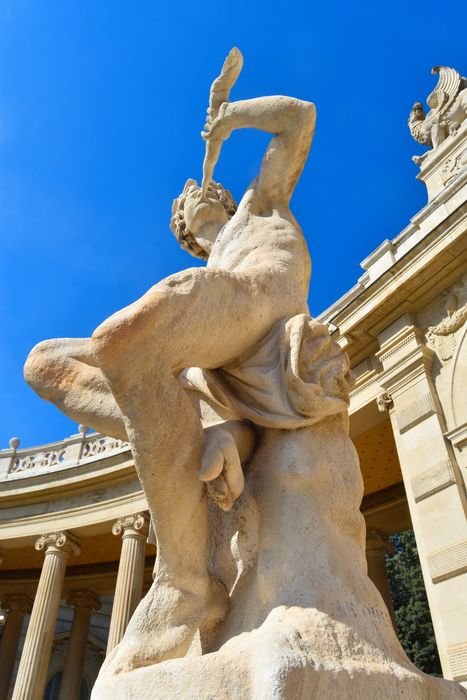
[214, 368]
[305, 620]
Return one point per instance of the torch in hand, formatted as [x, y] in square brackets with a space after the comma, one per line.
[220, 90]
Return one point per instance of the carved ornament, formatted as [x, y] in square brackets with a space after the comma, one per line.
[441, 337]
[137, 524]
[384, 401]
[62, 541]
[447, 105]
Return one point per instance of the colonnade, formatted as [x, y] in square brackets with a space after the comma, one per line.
[31, 677]
[58, 547]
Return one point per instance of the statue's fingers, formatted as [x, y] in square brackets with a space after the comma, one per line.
[233, 472]
[212, 463]
[219, 492]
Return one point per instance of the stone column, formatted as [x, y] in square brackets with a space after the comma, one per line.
[129, 588]
[84, 602]
[16, 606]
[433, 483]
[377, 546]
[32, 672]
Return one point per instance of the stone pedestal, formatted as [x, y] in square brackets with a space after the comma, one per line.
[84, 602]
[16, 606]
[129, 588]
[32, 672]
[305, 620]
[377, 546]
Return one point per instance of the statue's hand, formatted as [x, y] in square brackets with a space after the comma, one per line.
[221, 468]
[217, 128]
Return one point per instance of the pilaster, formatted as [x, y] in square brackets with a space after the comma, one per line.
[434, 485]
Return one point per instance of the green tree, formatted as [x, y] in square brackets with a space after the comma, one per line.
[411, 609]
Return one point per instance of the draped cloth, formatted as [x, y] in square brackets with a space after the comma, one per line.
[294, 377]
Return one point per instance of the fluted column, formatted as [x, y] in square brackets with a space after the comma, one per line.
[32, 672]
[84, 603]
[16, 606]
[129, 588]
[377, 546]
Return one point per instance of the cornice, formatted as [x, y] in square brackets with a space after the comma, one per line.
[370, 308]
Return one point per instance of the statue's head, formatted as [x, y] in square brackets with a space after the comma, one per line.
[197, 220]
[418, 113]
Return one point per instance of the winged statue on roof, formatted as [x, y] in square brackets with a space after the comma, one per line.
[448, 109]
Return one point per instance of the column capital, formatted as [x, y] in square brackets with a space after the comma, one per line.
[137, 524]
[62, 542]
[377, 541]
[16, 601]
[84, 599]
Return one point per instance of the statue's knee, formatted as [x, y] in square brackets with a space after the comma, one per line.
[109, 341]
[40, 366]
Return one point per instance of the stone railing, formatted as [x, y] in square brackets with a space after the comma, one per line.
[82, 447]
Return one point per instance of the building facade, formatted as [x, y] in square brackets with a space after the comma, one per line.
[76, 552]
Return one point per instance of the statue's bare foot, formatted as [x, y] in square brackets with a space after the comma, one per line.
[165, 623]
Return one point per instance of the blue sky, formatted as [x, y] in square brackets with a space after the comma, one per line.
[101, 105]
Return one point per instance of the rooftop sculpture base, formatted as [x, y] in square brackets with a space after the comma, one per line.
[305, 620]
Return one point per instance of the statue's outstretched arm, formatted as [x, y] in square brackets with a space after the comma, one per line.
[292, 121]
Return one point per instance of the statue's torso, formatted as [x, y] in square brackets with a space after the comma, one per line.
[256, 240]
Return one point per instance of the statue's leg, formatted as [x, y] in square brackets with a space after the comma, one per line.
[64, 372]
[203, 318]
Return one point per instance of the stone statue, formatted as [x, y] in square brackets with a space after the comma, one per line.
[223, 384]
[448, 109]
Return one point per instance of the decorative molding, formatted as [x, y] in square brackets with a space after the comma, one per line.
[384, 402]
[457, 656]
[415, 413]
[36, 461]
[137, 524]
[458, 436]
[398, 347]
[63, 454]
[415, 364]
[449, 562]
[452, 166]
[59, 542]
[433, 480]
[362, 387]
[441, 337]
[102, 444]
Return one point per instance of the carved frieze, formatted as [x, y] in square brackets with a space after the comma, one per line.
[453, 166]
